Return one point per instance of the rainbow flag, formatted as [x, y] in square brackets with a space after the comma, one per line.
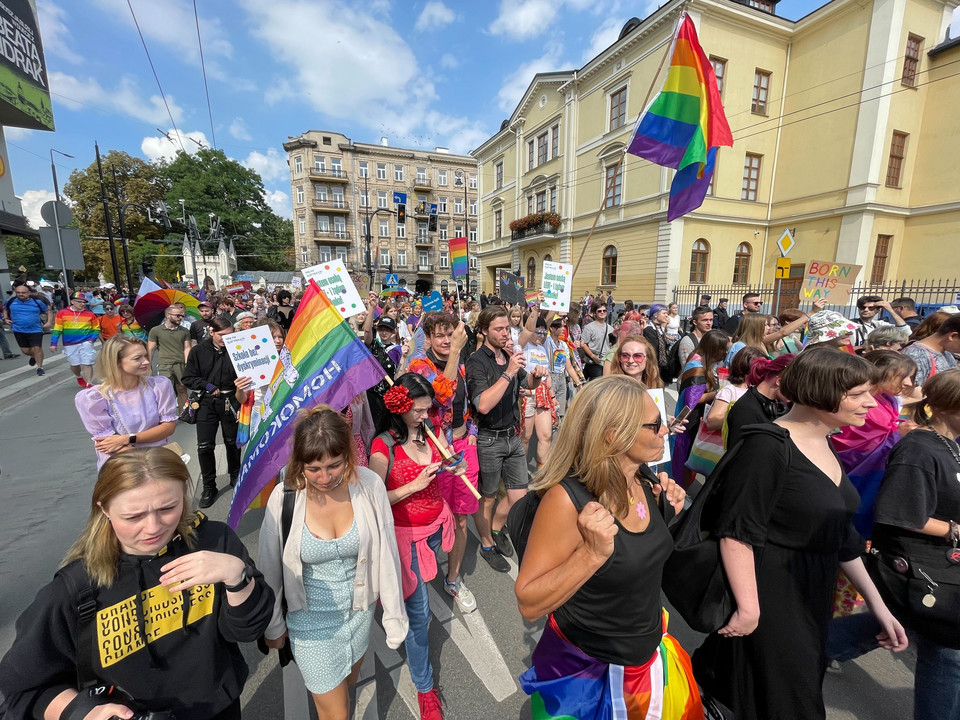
[684, 124]
[324, 362]
[458, 256]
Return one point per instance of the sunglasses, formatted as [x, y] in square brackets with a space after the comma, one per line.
[600, 312]
[636, 357]
[870, 307]
[756, 302]
[655, 425]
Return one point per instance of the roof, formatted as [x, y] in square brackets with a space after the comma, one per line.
[268, 276]
[12, 224]
[944, 46]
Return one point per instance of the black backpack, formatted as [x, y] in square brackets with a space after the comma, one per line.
[674, 367]
[522, 512]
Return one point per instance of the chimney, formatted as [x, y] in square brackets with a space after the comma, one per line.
[384, 141]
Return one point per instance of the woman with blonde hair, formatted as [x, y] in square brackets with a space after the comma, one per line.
[338, 558]
[130, 407]
[636, 358]
[594, 560]
[170, 595]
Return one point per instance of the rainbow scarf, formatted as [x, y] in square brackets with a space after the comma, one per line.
[458, 256]
[684, 124]
[328, 364]
[568, 684]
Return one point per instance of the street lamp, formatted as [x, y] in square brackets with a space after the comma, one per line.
[56, 216]
[368, 238]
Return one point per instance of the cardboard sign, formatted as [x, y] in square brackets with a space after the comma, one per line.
[334, 280]
[296, 282]
[510, 288]
[828, 280]
[658, 398]
[235, 288]
[557, 279]
[253, 354]
[433, 302]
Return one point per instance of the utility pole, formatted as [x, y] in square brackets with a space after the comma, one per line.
[106, 218]
[123, 232]
[67, 275]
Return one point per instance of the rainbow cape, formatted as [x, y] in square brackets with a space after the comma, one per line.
[684, 124]
[458, 256]
[324, 362]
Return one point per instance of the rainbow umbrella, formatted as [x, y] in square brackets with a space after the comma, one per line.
[395, 293]
[149, 307]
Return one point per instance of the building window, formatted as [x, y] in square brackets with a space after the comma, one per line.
[441, 177]
[364, 198]
[751, 177]
[498, 175]
[441, 204]
[531, 273]
[458, 230]
[457, 206]
[401, 230]
[298, 164]
[398, 173]
[303, 225]
[541, 202]
[319, 163]
[341, 254]
[444, 285]
[497, 223]
[384, 257]
[340, 227]
[423, 259]
[529, 204]
[364, 227]
[421, 175]
[720, 70]
[304, 255]
[698, 261]
[911, 61]
[384, 228]
[381, 171]
[323, 223]
[542, 149]
[530, 150]
[402, 258]
[325, 254]
[555, 141]
[472, 181]
[473, 234]
[898, 149]
[880, 254]
[381, 199]
[326, 140]
[609, 272]
[364, 170]
[421, 231]
[613, 184]
[618, 108]
[443, 232]
[761, 5]
[474, 264]
[761, 89]
[299, 193]
[320, 193]
[741, 264]
[553, 199]
[473, 207]
[444, 260]
[336, 167]
[338, 201]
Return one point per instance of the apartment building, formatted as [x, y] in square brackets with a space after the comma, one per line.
[344, 204]
[844, 126]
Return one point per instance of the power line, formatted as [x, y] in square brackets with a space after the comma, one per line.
[155, 76]
[203, 68]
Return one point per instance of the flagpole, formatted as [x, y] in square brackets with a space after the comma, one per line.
[613, 177]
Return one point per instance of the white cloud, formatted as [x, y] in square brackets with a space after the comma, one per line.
[434, 16]
[524, 19]
[279, 202]
[74, 94]
[56, 36]
[272, 166]
[516, 83]
[32, 201]
[238, 130]
[156, 147]
[15, 133]
[449, 61]
[603, 37]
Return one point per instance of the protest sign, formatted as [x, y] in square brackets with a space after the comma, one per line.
[295, 282]
[660, 401]
[235, 288]
[334, 280]
[829, 280]
[557, 279]
[510, 287]
[530, 296]
[253, 354]
[433, 302]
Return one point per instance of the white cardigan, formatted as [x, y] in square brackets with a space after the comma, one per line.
[378, 564]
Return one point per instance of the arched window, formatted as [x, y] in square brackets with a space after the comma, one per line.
[473, 287]
[608, 275]
[531, 273]
[443, 285]
[698, 261]
[547, 258]
[741, 265]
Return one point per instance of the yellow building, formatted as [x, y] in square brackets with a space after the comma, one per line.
[339, 187]
[845, 127]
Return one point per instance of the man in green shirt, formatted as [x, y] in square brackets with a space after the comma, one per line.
[173, 343]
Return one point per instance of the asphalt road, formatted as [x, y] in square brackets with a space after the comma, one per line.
[48, 470]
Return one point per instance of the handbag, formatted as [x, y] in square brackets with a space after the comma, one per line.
[188, 414]
[706, 451]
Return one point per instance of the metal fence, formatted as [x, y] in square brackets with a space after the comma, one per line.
[928, 294]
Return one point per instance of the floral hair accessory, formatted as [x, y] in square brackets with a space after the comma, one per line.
[398, 400]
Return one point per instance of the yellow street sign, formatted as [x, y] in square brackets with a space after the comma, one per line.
[786, 243]
[783, 268]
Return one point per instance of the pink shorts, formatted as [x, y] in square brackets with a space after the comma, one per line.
[461, 500]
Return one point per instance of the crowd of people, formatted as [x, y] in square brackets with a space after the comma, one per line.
[829, 445]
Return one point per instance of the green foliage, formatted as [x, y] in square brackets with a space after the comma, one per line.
[28, 253]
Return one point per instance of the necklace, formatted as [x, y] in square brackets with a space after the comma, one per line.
[950, 445]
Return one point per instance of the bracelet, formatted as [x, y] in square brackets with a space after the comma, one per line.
[506, 377]
[954, 534]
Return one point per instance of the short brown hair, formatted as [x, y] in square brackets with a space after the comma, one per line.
[891, 365]
[320, 432]
[820, 377]
[488, 315]
[434, 321]
[941, 394]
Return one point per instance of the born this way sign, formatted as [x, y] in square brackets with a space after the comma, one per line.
[829, 280]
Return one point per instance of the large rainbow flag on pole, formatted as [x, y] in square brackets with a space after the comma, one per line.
[323, 362]
[685, 124]
[458, 256]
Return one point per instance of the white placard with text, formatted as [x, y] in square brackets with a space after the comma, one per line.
[253, 354]
[335, 281]
[557, 279]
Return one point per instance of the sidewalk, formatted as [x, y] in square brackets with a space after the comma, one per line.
[19, 382]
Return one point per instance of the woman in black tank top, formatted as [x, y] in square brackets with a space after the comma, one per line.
[594, 561]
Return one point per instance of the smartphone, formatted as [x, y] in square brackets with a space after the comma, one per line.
[681, 416]
[451, 461]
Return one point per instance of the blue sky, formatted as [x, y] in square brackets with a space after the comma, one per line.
[425, 73]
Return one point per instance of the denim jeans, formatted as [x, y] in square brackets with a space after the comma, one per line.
[936, 683]
[417, 643]
[852, 636]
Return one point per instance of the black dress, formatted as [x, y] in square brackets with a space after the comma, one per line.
[799, 524]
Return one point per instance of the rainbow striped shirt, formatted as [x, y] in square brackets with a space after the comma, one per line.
[74, 327]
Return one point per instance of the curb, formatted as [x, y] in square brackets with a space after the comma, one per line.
[22, 384]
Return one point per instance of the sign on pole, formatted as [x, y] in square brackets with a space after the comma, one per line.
[337, 285]
[557, 280]
[392, 280]
[786, 243]
[829, 280]
[783, 268]
[399, 198]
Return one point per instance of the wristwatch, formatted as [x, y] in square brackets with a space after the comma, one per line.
[245, 577]
[132, 440]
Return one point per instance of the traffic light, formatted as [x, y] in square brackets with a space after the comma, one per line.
[146, 265]
[401, 213]
[432, 224]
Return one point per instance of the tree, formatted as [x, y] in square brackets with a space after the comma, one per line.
[26, 252]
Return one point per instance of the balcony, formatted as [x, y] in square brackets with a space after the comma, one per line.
[423, 183]
[332, 237]
[425, 269]
[540, 223]
[423, 240]
[337, 176]
[334, 206]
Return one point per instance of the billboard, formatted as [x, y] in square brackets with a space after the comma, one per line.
[24, 90]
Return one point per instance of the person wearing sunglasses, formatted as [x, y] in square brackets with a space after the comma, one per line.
[595, 341]
[868, 319]
[751, 303]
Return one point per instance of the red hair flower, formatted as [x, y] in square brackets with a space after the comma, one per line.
[398, 400]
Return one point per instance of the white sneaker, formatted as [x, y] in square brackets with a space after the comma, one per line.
[459, 592]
